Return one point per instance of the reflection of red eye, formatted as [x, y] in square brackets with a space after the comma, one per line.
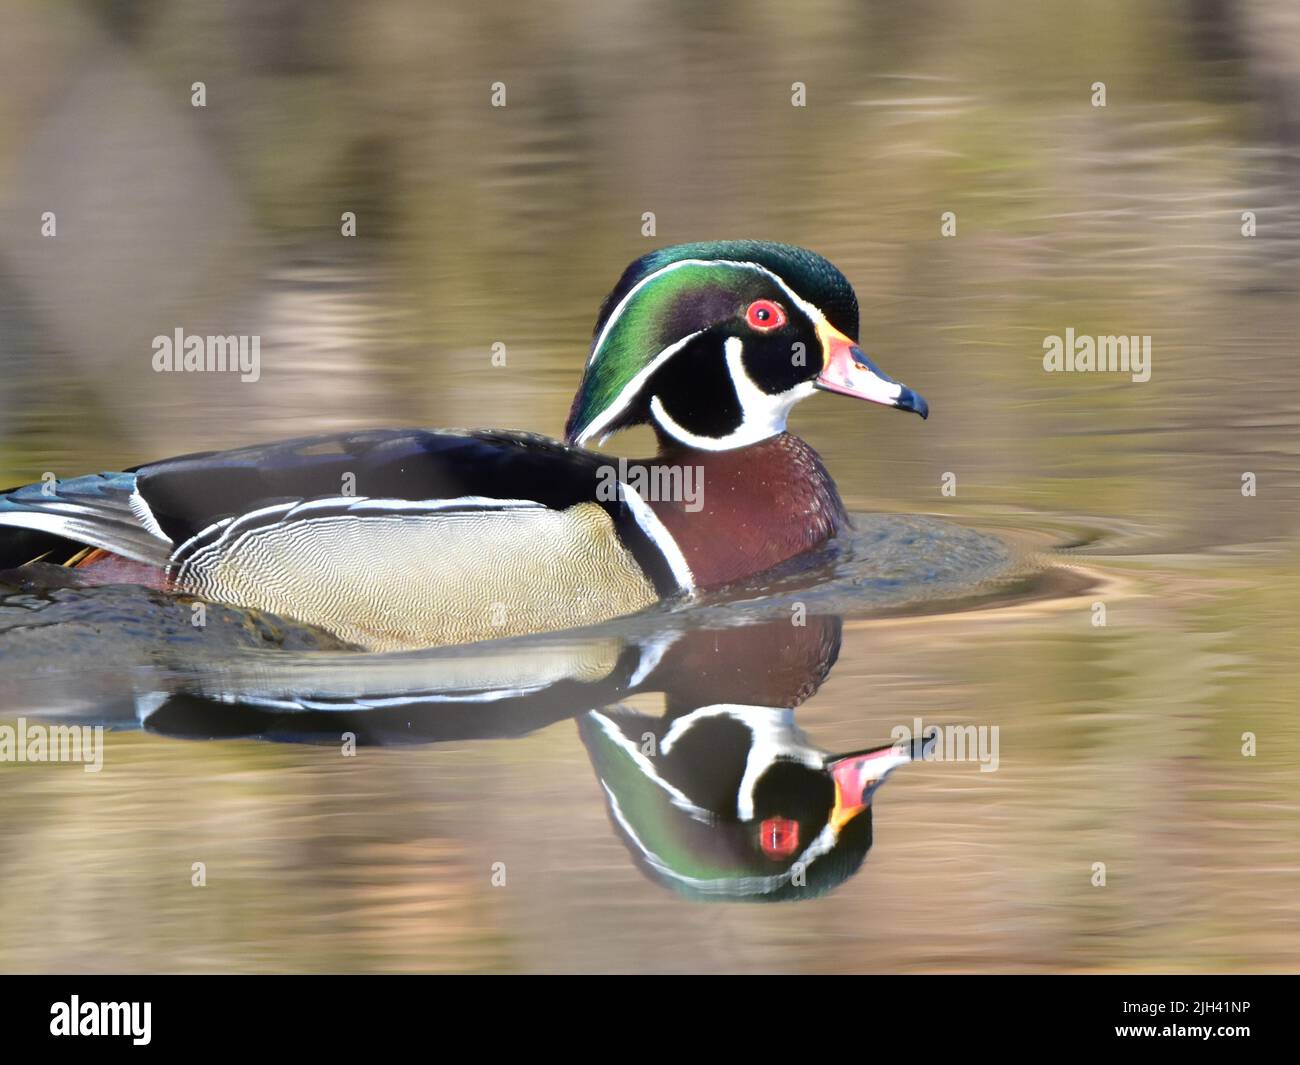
[779, 837]
[764, 315]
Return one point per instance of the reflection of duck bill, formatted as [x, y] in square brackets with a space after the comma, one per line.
[859, 774]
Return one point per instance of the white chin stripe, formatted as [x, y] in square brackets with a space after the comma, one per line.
[764, 414]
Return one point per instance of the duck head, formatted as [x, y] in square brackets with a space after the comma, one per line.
[713, 344]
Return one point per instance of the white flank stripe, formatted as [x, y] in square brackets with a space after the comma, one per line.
[651, 655]
[654, 528]
[144, 515]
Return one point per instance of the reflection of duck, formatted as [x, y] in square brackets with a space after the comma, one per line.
[399, 538]
[721, 797]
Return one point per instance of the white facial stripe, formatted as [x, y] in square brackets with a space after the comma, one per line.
[623, 304]
[764, 414]
[634, 386]
[678, 797]
[765, 411]
[814, 313]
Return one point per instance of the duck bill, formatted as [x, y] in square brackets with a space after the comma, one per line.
[858, 775]
[847, 371]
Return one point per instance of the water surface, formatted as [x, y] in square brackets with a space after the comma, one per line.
[1119, 744]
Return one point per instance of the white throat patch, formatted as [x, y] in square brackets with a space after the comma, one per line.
[764, 414]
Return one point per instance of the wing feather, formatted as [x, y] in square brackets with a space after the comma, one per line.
[98, 511]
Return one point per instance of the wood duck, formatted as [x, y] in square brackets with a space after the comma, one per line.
[401, 538]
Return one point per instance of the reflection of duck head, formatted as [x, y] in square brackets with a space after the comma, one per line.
[732, 802]
[729, 800]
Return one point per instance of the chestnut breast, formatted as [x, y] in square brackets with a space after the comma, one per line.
[758, 506]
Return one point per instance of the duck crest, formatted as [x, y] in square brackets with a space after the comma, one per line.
[757, 507]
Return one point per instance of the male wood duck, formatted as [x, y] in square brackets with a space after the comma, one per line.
[403, 538]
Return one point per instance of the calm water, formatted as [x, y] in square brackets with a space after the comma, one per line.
[1118, 744]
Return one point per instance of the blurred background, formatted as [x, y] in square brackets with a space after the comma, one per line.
[478, 225]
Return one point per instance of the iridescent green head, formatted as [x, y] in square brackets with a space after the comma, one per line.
[715, 342]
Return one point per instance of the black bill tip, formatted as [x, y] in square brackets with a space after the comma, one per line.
[913, 401]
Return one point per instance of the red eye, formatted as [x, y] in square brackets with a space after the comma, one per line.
[764, 315]
[779, 837]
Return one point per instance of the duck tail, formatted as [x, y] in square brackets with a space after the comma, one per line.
[56, 521]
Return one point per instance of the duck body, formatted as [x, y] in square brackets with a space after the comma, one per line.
[388, 538]
[397, 538]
